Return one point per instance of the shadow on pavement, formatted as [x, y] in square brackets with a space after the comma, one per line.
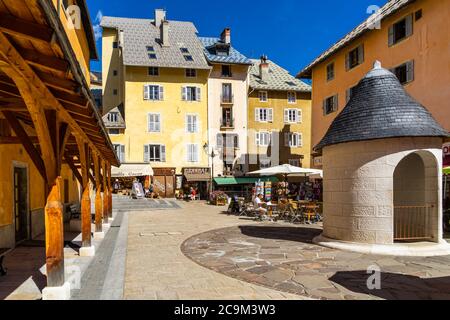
[299, 234]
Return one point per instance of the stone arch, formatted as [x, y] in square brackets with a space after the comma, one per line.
[416, 198]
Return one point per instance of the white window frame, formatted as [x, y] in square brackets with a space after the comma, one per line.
[293, 139]
[192, 125]
[298, 118]
[149, 115]
[291, 94]
[258, 140]
[264, 94]
[193, 153]
[162, 153]
[268, 115]
[121, 153]
[294, 162]
[116, 114]
[185, 94]
[148, 93]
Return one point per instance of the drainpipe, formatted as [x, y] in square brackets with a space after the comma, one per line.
[59, 8]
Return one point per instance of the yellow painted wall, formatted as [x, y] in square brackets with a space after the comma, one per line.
[277, 100]
[428, 47]
[173, 117]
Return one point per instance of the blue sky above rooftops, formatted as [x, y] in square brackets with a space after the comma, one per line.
[290, 32]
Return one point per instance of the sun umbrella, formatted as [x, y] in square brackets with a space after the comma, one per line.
[447, 170]
[285, 169]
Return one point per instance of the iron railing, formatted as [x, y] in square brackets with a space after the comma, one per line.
[412, 223]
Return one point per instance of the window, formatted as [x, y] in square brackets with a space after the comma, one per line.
[292, 116]
[120, 151]
[226, 71]
[192, 153]
[154, 122]
[292, 97]
[263, 115]
[264, 163]
[188, 58]
[227, 141]
[115, 45]
[330, 71]
[263, 97]
[114, 73]
[153, 71]
[418, 15]
[152, 56]
[113, 117]
[349, 93]
[404, 72]
[184, 50]
[191, 94]
[114, 131]
[150, 49]
[355, 57]
[294, 162]
[227, 120]
[191, 73]
[263, 139]
[227, 93]
[153, 92]
[401, 30]
[293, 140]
[330, 105]
[191, 123]
[154, 153]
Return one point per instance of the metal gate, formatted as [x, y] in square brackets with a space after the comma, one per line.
[412, 223]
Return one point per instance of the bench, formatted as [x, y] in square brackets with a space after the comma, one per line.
[3, 253]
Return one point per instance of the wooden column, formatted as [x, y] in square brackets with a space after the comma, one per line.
[105, 193]
[98, 194]
[86, 217]
[110, 191]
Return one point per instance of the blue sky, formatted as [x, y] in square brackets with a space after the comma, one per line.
[290, 32]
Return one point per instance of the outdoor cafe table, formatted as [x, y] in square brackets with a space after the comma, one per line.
[271, 208]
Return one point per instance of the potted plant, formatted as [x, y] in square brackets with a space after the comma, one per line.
[218, 198]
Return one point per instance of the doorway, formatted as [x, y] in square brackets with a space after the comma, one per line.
[21, 203]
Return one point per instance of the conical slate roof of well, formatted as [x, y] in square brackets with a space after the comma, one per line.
[381, 108]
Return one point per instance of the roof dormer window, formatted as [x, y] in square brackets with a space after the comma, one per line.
[188, 58]
[184, 50]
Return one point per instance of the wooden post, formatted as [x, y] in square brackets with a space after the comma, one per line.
[86, 217]
[98, 195]
[105, 193]
[54, 236]
[110, 191]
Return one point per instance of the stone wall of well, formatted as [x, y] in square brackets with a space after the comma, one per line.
[359, 187]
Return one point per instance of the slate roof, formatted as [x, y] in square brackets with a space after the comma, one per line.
[279, 79]
[391, 7]
[140, 33]
[381, 108]
[234, 56]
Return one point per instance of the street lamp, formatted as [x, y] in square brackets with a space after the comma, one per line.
[212, 155]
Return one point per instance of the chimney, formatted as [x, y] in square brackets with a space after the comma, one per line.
[264, 68]
[121, 39]
[225, 37]
[160, 16]
[165, 33]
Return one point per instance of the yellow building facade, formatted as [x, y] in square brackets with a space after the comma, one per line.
[279, 117]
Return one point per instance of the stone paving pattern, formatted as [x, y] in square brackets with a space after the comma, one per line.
[283, 257]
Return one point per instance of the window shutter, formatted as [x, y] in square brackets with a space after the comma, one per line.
[391, 36]
[219, 141]
[150, 123]
[361, 54]
[146, 92]
[300, 140]
[163, 153]
[324, 107]
[146, 153]
[184, 93]
[157, 123]
[409, 25]
[122, 153]
[188, 153]
[199, 94]
[347, 95]
[410, 71]
[335, 102]
[270, 115]
[299, 116]
[286, 115]
[257, 140]
[286, 139]
[257, 119]
[161, 93]
[347, 61]
[195, 150]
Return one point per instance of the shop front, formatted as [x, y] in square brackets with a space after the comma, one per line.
[243, 187]
[164, 182]
[197, 180]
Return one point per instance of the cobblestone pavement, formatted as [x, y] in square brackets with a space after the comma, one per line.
[156, 268]
[282, 257]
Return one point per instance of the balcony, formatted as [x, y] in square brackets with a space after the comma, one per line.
[227, 123]
[227, 99]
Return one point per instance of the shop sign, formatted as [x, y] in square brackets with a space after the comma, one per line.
[197, 174]
[318, 161]
[446, 153]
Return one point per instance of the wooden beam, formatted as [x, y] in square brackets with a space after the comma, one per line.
[110, 191]
[64, 134]
[98, 194]
[39, 60]
[26, 142]
[9, 90]
[54, 236]
[105, 193]
[16, 140]
[73, 109]
[25, 29]
[65, 85]
[76, 173]
[53, 131]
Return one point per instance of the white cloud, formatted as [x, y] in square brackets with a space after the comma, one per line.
[99, 16]
[97, 27]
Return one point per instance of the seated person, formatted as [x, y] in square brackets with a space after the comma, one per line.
[259, 205]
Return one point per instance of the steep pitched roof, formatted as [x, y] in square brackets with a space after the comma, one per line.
[278, 79]
[391, 7]
[88, 29]
[381, 108]
[141, 33]
[233, 57]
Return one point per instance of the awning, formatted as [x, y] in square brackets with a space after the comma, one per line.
[197, 174]
[447, 170]
[245, 180]
[131, 170]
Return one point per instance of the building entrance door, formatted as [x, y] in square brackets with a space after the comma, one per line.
[21, 203]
